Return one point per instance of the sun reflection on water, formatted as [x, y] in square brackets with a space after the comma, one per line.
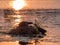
[17, 20]
[17, 16]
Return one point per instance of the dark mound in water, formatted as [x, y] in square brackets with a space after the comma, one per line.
[27, 29]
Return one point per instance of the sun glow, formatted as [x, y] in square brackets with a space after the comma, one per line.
[18, 4]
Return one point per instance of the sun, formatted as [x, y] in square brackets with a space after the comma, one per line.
[18, 4]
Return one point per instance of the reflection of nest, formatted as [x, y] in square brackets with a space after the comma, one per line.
[25, 29]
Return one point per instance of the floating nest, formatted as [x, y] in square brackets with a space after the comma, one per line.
[26, 29]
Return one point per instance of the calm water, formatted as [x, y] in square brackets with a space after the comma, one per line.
[47, 21]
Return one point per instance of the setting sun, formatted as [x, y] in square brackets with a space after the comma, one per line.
[18, 4]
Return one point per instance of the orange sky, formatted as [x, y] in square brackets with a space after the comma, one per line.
[34, 4]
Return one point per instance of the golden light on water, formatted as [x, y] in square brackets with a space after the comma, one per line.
[17, 16]
[18, 4]
[17, 20]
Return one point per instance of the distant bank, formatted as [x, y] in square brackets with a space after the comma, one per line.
[28, 11]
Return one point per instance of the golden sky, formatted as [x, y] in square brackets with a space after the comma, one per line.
[34, 4]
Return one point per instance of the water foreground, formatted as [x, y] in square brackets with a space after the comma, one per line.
[48, 21]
